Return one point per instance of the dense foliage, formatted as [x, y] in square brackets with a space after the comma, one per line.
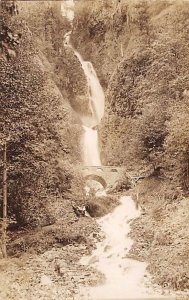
[144, 52]
[143, 47]
[49, 27]
[38, 124]
[140, 50]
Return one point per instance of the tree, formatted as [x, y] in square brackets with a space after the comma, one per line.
[39, 122]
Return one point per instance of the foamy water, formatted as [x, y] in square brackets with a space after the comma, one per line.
[91, 155]
[67, 9]
[95, 91]
[125, 278]
[95, 96]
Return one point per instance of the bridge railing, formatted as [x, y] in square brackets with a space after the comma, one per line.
[102, 168]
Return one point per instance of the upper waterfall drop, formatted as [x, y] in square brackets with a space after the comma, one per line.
[67, 9]
[95, 91]
[96, 98]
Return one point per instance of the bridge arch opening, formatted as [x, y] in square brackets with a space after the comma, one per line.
[97, 178]
[114, 170]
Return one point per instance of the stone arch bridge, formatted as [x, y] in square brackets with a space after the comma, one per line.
[108, 175]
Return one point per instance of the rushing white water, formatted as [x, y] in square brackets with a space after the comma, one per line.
[90, 147]
[95, 91]
[124, 276]
[67, 9]
[96, 105]
[96, 97]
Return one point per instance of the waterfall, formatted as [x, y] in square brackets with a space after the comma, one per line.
[95, 91]
[126, 278]
[67, 9]
[90, 141]
[90, 147]
[96, 105]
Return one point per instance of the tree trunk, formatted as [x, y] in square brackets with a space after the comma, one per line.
[4, 221]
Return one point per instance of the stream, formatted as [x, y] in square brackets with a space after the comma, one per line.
[124, 277]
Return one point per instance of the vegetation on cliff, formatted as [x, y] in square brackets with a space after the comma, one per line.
[143, 47]
[145, 63]
[41, 129]
[140, 51]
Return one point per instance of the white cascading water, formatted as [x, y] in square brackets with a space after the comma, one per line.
[125, 278]
[96, 105]
[95, 91]
[95, 96]
[67, 9]
[90, 147]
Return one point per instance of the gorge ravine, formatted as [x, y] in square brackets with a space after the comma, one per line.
[124, 277]
[95, 93]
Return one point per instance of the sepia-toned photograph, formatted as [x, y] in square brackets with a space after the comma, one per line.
[94, 150]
